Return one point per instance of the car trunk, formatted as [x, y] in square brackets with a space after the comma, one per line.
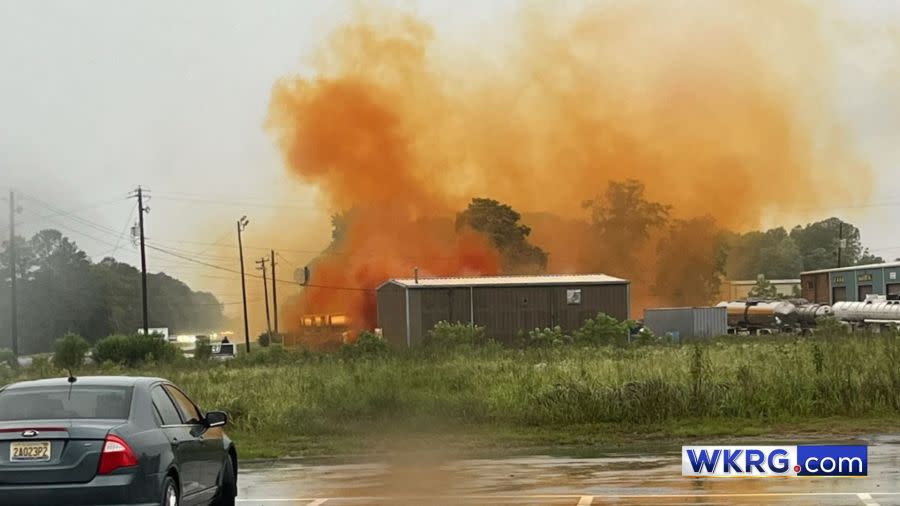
[75, 447]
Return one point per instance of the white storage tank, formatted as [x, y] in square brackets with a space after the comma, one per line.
[874, 309]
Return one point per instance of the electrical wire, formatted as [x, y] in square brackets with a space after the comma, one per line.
[124, 229]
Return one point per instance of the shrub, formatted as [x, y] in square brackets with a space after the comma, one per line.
[202, 348]
[367, 344]
[603, 329]
[134, 350]
[41, 366]
[547, 337]
[452, 335]
[270, 338]
[69, 352]
[7, 357]
[830, 326]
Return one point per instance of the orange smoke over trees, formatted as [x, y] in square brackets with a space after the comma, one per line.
[722, 111]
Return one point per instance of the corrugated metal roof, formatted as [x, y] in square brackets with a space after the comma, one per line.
[746, 282]
[855, 268]
[556, 279]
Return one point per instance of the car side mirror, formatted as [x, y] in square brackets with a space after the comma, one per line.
[216, 419]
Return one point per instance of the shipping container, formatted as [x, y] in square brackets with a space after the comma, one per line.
[687, 322]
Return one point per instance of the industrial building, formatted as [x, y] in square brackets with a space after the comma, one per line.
[504, 305]
[828, 286]
[740, 289]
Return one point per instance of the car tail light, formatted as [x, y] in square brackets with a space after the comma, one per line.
[116, 454]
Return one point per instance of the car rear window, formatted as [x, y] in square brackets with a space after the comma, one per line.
[63, 402]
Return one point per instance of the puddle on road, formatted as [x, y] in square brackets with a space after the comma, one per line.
[606, 473]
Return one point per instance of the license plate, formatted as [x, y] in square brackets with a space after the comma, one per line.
[32, 451]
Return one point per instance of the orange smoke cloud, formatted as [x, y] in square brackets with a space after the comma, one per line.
[719, 109]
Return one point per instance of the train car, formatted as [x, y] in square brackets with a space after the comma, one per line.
[874, 312]
[808, 314]
[761, 315]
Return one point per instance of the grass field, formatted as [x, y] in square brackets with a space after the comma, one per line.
[285, 403]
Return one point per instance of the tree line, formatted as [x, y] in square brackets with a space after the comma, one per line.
[60, 290]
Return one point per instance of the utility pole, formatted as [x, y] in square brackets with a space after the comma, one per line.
[241, 226]
[274, 293]
[139, 193]
[262, 267]
[13, 303]
[840, 242]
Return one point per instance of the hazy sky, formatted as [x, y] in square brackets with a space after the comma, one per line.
[98, 96]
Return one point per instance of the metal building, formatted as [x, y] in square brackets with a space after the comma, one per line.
[828, 286]
[504, 305]
[687, 322]
[740, 289]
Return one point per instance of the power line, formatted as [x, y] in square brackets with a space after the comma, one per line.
[67, 214]
[122, 234]
[226, 269]
[233, 203]
[57, 213]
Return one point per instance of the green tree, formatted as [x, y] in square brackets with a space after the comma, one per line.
[819, 242]
[772, 254]
[691, 262]
[763, 289]
[500, 223]
[869, 258]
[60, 291]
[623, 219]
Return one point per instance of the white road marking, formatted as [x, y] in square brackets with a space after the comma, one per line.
[586, 500]
[867, 499]
[317, 502]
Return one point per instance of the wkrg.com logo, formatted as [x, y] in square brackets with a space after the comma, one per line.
[809, 460]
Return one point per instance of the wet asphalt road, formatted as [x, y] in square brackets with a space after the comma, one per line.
[610, 478]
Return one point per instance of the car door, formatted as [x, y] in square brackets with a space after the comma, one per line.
[184, 446]
[210, 449]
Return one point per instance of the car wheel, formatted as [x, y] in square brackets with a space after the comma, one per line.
[170, 492]
[228, 487]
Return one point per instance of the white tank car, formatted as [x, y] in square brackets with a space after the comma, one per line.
[760, 314]
[874, 310]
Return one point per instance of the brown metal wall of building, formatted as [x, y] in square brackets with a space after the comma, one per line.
[442, 304]
[504, 311]
[816, 288]
[391, 300]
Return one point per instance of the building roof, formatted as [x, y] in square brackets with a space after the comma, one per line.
[856, 268]
[548, 280]
[742, 282]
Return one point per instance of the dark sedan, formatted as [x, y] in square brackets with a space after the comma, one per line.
[111, 440]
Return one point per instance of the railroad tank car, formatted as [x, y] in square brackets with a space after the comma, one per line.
[873, 310]
[760, 314]
[807, 314]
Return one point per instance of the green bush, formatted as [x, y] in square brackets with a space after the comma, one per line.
[366, 345]
[269, 338]
[272, 355]
[202, 348]
[602, 330]
[543, 338]
[42, 366]
[453, 335]
[69, 352]
[134, 350]
[7, 357]
[830, 326]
